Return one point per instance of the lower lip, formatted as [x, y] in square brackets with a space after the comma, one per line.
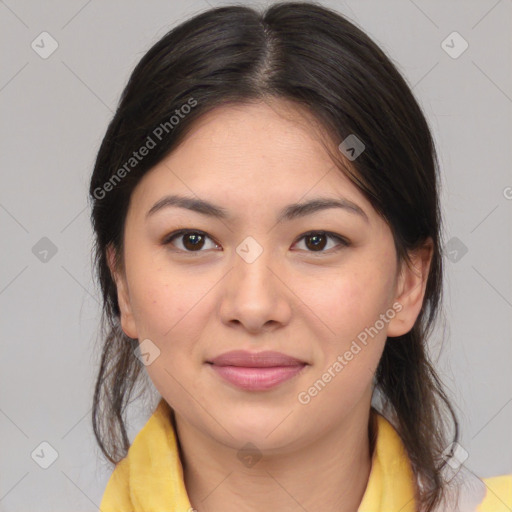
[257, 379]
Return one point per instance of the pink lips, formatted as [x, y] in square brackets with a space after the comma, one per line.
[256, 371]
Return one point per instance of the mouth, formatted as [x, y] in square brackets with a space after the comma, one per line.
[258, 371]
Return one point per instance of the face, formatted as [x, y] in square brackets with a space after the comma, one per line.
[320, 285]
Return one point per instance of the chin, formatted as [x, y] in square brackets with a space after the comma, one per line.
[266, 431]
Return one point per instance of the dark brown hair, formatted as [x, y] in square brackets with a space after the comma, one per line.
[316, 58]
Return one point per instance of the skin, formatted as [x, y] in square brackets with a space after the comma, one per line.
[252, 160]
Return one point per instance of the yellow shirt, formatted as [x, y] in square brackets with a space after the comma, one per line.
[150, 477]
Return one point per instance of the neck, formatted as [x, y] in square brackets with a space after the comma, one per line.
[329, 474]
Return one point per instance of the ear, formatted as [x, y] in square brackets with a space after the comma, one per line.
[410, 290]
[123, 297]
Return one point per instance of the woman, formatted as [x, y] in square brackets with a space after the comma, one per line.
[268, 244]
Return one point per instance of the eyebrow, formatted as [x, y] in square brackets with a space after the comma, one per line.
[288, 213]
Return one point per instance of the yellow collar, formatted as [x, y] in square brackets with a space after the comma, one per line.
[150, 477]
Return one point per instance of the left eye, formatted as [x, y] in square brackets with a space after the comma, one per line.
[194, 241]
[317, 239]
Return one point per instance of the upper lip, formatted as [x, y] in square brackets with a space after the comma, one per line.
[247, 359]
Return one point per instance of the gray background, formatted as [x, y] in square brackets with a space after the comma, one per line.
[54, 115]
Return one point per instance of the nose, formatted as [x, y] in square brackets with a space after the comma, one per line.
[254, 294]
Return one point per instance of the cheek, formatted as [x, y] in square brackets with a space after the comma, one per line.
[171, 311]
[358, 307]
[159, 296]
[348, 355]
[154, 304]
[172, 308]
[163, 308]
[348, 301]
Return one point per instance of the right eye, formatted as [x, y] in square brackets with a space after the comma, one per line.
[191, 240]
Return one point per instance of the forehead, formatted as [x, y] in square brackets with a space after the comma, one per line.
[245, 155]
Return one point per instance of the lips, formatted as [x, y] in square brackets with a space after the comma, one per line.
[258, 371]
[264, 359]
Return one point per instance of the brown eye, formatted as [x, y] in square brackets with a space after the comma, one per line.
[191, 241]
[316, 241]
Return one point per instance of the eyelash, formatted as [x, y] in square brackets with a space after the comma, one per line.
[168, 239]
